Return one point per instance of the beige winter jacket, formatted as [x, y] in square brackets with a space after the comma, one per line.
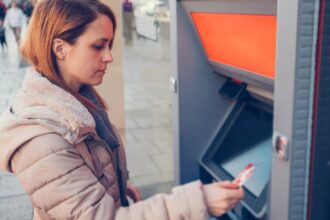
[48, 139]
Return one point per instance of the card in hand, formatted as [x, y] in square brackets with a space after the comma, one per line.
[243, 176]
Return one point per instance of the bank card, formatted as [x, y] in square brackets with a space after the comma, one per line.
[243, 176]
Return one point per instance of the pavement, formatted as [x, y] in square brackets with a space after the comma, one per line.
[148, 114]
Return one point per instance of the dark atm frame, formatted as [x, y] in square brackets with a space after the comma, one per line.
[256, 205]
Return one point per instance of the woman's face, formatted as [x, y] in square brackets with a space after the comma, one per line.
[85, 62]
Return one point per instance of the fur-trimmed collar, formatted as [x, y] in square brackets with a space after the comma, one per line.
[41, 108]
[53, 107]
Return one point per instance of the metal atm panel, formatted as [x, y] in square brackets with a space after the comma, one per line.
[206, 118]
[245, 137]
[244, 44]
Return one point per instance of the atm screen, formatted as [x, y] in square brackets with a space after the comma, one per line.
[248, 140]
[245, 41]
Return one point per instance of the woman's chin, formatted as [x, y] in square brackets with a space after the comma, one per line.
[95, 82]
[98, 82]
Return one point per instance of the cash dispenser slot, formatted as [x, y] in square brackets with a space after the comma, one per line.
[244, 137]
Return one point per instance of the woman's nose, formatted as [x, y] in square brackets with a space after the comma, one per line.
[108, 57]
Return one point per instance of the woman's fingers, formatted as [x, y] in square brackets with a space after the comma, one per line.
[135, 195]
[133, 192]
[227, 184]
[222, 197]
[232, 190]
[217, 212]
[235, 194]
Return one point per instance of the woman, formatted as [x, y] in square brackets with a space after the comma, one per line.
[15, 19]
[56, 136]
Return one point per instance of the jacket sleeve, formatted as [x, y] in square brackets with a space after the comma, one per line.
[185, 202]
[61, 186]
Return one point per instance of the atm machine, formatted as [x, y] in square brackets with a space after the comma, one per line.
[250, 84]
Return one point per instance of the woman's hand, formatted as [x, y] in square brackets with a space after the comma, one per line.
[133, 192]
[221, 197]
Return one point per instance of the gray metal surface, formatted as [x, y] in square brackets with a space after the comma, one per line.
[296, 40]
[198, 107]
[175, 97]
[233, 6]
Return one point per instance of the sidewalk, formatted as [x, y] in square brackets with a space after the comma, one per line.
[148, 109]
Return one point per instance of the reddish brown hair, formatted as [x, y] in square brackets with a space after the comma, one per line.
[67, 20]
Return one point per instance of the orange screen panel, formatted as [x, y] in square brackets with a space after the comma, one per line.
[241, 40]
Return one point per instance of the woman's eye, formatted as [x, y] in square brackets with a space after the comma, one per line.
[98, 47]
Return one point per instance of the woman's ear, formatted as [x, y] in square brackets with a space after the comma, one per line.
[59, 48]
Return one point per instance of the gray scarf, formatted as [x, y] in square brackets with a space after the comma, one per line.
[103, 126]
[105, 131]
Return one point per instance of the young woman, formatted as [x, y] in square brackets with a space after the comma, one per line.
[15, 19]
[56, 136]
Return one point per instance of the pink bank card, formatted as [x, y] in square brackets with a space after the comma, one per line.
[243, 176]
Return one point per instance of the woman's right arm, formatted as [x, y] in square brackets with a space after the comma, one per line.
[61, 186]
